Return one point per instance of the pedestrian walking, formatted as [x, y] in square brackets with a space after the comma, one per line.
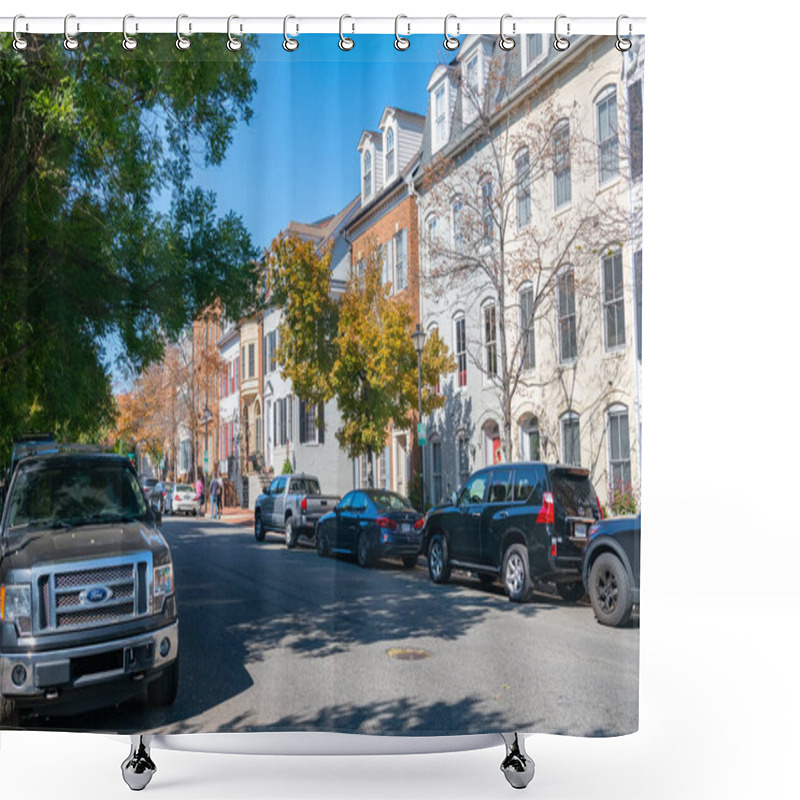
[213, 493]
[199, 495]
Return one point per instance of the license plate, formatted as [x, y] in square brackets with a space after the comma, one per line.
[405, 528]
[580, 531]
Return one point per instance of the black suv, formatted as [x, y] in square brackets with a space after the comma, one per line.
[523, 522]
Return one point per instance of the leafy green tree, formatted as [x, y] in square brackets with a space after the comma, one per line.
[356, 349]
[106, 247]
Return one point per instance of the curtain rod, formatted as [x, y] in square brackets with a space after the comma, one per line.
[405, 25]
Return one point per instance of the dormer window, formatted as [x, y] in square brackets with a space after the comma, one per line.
[473, 87]
[440, 116]
[533, 50]
[367, 189]
[389, 153]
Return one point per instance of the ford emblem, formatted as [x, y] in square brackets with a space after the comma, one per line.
[95, 595]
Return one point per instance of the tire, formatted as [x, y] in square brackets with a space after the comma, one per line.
[194, 513]
[290, 533]
[163, 691]
[438, 560]
[409, 562]
[363, 556]
[610, 591]
[258, 526]
[570, 592]
[517, 574]
[323, 549]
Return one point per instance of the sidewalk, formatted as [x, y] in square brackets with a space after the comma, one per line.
[237, 516]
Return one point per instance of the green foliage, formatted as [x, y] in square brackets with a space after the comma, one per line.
[102, 236]
[623, 499]
[287, 468]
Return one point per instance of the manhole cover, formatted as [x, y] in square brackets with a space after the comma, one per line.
[407, 654]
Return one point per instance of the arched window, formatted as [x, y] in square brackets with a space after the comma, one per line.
[571, 439]
[619, 447]
[529, 444]
[607, 137]
[562, 165]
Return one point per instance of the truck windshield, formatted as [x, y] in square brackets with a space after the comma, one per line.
[67, 494]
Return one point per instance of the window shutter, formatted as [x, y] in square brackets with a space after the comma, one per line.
[321, 423]
[289, 426]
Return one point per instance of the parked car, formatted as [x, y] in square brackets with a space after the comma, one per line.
[371, 524]
[292, 504]
[148, 486]
[88, 613]
[524, 523]
[184, 500]
[611, 568]
[163, 493]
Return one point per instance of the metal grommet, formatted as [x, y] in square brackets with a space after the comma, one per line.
[181, 42]
[233, 43]
[289, 44]
[506, 42]
[20, 42]
[400, 42]
[560, 42]
[128, 42]
[345, 42]
[450, 42]
[623, 45]
[70, 42]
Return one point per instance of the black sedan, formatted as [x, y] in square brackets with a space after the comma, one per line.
[611, 568]
[370, 524]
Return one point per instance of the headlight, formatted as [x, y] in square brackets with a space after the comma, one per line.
[162, 581]
[15, 606]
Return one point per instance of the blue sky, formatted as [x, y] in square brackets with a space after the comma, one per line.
[297, 158]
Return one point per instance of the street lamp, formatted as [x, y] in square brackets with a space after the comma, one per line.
[418, 337]
[204, 420]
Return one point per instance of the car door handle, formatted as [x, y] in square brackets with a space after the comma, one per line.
[503, 515]
[475, 514]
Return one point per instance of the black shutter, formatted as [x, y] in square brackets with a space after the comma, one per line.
[321, 422]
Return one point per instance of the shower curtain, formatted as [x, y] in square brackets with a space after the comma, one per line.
[357, 329]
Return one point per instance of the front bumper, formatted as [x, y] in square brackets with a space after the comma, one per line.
[52, 672]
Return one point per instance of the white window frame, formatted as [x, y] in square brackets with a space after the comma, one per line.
[401, 235]
[390, 152]
[528, 426]
[618, 410]
[571, 357]
[460, 355]
[440, 127]
[527, 63]
[605, 177]
[472, 95]
[526, 328]
[569, 418]
[616, 304]
[566, 170]
[489, 346]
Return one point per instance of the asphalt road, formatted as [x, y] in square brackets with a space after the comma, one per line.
[273, 639]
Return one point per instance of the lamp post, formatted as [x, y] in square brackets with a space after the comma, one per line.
[204, 420]
[418, 337]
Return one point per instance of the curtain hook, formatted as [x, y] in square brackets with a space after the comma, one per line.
[560, 43]
[289, 44]
[181, 42]
[345, 42]
[234, 43]
[128, 42]
[70, 42]
[400, 42]
[506, 42]
[623, 45]
[20, 42]
[450, 42]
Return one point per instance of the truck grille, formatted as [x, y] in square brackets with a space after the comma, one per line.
[64, 594]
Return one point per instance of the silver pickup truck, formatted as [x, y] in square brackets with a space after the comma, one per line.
[292, 504]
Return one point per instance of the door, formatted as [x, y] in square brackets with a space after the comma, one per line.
[350, 522]
[268, 503]
[495, 516]
[465, 535]
[401, 465]
[278, 502]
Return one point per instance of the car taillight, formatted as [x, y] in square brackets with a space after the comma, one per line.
[304, 505]
[420, 523]
[385, 522]
[177, 497]
[554, 548]
[600, 508]
[547, 513]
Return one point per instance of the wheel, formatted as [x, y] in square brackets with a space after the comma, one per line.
[571, 592]
[163, 691]
[362, 550]
[259, 527]
[194, 513]
[610, 591]
[486, 579]
[290, 533]
[517, 574]
[409, 562]
[438, 560]
[322, 542]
